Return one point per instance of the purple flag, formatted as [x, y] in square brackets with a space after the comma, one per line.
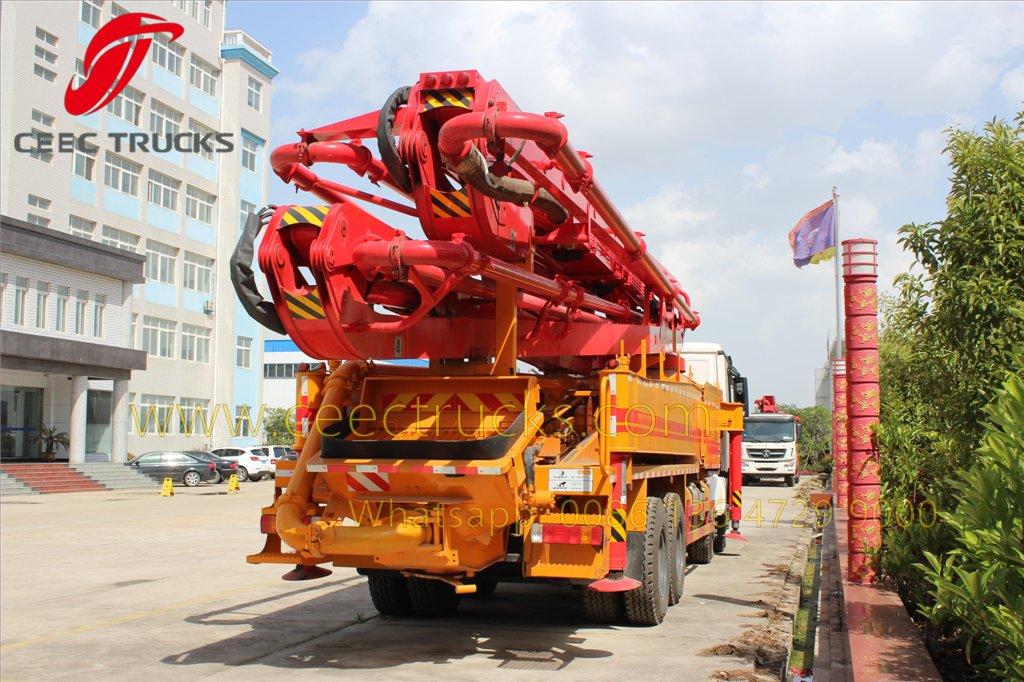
[813, 239]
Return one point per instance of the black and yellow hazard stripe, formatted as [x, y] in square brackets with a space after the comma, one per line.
[618, 525]
[311, 215]
[737, 498]
[449, 204]
[304, 306]
[452, 97]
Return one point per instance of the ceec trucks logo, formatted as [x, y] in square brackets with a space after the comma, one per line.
[113, 57]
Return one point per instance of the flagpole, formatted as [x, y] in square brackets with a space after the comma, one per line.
[839, 278]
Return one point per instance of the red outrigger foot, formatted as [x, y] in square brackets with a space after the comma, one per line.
[622, 584]
[301, 572]
[736, 535]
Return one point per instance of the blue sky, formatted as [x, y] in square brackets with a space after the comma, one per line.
[714, 126]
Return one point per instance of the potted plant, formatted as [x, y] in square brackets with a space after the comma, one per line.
[50, 439]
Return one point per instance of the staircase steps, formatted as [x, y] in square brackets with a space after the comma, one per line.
[115, 476]
[50, 478]
[12, 486]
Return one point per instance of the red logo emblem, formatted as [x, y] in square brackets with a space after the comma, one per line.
[111, 61]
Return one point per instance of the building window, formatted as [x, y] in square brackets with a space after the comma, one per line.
[60, 322]
[90, 12]
[81, 297]
[197, 274]
[167, 54]
[38, 220]
[243, 352]
[80, 227]
[79, 73]
[199, 204]
[245, 208]
[280, 370]
[195, 343]
[161, 261]
[192, 415]
[45, 55]
[132, 326]
[36, 152]
[116, 10]
[163, 190]
[37, 201]
[164, 120]
[158, 336]
[254, 94]
[44, 72]
[155, 414]
[42, 119]
[112, 236]
[203, 75]
[42, 297]
[242, 419]
[127, 105]
[121, 174]
[83, 164]
[20, 294]
[202, 131]
[250, 150]
[46, 37]
[99, 303]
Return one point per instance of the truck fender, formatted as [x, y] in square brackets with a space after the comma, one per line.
[719, 493]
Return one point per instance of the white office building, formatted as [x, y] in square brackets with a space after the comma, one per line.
[181, 211]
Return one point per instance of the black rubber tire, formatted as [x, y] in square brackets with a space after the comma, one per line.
[242, 474]
[603, 607]
[677, 533]
[721, 528]
[192, 478]
[702, 551]
[390, 595]
[486, 588]
[647, 604]
[432, 598]
[790, 481]
[219, 479]
[256, 477]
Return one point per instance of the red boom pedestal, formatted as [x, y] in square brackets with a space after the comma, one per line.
[860, 273]
[840, 482]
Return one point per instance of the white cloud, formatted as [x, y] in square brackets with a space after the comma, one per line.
[1013, 86]
[872, 155]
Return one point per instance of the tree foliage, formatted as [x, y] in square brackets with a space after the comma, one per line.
[947, 344]
[279, 426]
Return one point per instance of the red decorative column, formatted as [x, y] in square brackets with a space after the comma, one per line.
[860, 274]
[840, 483]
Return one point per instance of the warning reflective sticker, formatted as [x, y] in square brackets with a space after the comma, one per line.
[570, 480]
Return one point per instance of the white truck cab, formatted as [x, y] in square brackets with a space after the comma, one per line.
[771, 447]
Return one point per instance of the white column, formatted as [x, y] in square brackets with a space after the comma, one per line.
[79, 396]
[119, 422]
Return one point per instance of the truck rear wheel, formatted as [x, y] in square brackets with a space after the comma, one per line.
[390, 595]
[721, 528]
[790, 481]
[603, 607]
[702, 551]
[677, 555]
[647, 604]
[432, 598]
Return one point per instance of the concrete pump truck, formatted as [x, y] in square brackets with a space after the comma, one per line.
[550, 432]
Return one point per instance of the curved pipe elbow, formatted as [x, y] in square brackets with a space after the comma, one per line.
[454, 141]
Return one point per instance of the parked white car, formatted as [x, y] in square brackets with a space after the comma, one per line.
[253, 462]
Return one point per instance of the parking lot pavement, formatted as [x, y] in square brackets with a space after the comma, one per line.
[133, 585]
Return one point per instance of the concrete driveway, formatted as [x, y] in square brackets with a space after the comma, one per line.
[131, 585]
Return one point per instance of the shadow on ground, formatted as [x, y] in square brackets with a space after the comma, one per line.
[337, 628]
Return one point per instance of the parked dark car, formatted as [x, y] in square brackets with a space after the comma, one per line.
[176, 465]
[225, 468]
